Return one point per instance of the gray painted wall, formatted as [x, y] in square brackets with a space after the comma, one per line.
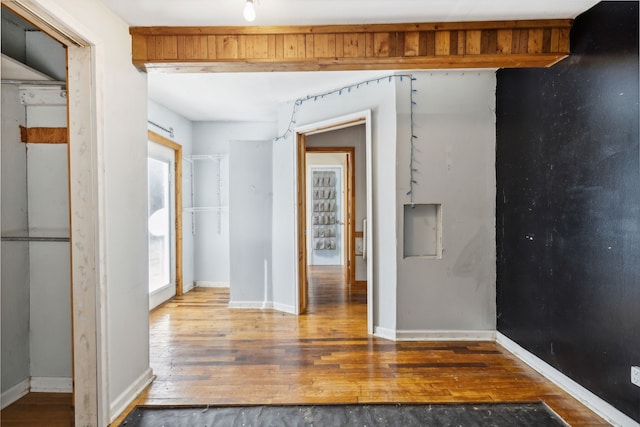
[211, 243]
[455, 124]
[14, 43]
[46, 55]
[380, 99]
[34, 48]
[250, 199]
[455, 157]
[14, 267]
[50, 263]
[35, 194]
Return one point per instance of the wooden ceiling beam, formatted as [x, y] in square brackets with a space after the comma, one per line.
[494, 44]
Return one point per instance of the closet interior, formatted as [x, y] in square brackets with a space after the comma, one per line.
[35, 252]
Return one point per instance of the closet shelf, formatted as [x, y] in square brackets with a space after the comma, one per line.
[33, 239]
[206, 209]
[214, 156]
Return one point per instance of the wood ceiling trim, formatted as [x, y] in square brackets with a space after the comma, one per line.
[494, 44]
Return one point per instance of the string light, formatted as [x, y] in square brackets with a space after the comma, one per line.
[413, 171]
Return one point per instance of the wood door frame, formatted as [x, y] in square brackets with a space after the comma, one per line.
[87, 206]
[177, 149]
[301, 180]
[350, 205]
[299, 134]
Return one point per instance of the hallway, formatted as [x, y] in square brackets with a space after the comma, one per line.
[204, 353]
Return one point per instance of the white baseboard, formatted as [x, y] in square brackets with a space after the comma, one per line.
[15, 393]
[186, 287]
[385, 333]
[415, 335]
[51, 385]
[593, 402]
[259, 305]
[36, 385]
[284, 308]
[205, 284]
[120, 404]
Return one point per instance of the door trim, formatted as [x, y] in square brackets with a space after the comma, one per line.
[299, 134]
[301, 203]
[177, 148]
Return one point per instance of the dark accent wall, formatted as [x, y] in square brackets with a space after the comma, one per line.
[568, 206]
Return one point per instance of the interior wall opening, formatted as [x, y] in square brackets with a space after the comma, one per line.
[329, 233]
[332, 176]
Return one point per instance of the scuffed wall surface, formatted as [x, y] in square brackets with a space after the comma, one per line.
[569, 207]
[454, 158]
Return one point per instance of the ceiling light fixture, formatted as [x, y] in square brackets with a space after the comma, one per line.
[249, 11]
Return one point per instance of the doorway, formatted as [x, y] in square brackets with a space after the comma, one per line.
[164, 219]
[302, 137]
[331, 206]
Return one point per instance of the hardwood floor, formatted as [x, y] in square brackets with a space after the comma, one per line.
[204, 353]
[39, 409]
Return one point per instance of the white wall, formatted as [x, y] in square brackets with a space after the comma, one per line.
[124, 108]
[183, 135]
[165, 117]
[14, 267]
[121, 114]
[250, 223]
[455, 157]
[380, 98]
[49, 266]
[211, 240]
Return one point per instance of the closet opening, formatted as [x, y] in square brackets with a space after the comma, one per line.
[86, 286]
[37, 348]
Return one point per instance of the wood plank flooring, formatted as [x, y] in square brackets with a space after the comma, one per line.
[204, 353]
[39, 409]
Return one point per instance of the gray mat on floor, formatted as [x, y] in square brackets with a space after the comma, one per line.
[375, 415]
